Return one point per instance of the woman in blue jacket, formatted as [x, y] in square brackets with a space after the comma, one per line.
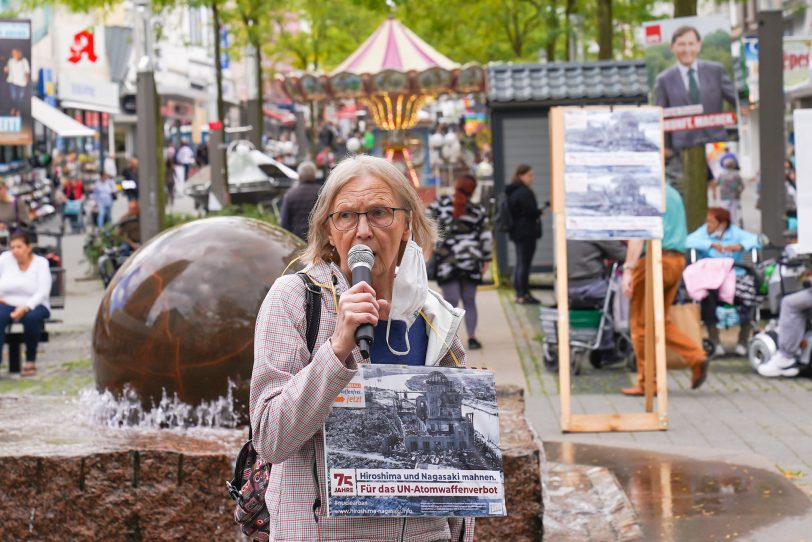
[718, 238]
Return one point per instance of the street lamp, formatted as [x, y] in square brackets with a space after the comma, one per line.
[771, 121]
[148, 141]
[253, 101]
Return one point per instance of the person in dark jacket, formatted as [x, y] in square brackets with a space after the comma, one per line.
[525, 230]
[300, 200]
[586, 272]
[129, 183]
[464, 252]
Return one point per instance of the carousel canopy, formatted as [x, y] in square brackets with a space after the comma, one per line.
[393, 47]
[394, 71]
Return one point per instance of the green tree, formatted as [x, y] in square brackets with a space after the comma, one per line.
[327, 31]
[251, 23]
[482, 31]
[605, 30]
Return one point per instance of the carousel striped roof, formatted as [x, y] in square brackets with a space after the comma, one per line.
[393, 47]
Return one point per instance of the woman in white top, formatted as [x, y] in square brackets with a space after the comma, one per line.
[25, 285]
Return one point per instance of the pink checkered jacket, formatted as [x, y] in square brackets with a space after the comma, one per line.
[291, 396]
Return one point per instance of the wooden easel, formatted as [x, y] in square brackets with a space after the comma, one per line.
[649, 420]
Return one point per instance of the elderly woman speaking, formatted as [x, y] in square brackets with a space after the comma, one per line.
[365, 201]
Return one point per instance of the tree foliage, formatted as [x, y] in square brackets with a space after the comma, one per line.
[318, 34]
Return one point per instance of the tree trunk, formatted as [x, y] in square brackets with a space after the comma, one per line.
[218, 77]
[218, 54]
[260, 91]
[568, 11]
[553, 28]
[694, 162]
[314, 128]
[684, 8]
[695, 186]
[160, 169]
[605, 24]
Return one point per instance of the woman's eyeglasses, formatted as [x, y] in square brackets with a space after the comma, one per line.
[378, 217]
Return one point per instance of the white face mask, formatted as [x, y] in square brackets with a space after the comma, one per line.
[409, 292]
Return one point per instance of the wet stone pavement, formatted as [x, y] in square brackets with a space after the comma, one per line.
[734, 464]
[621, 494]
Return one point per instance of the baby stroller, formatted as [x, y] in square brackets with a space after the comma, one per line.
[783, 277]
[588, 324]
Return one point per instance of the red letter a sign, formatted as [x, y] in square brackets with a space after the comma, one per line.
[82, 45]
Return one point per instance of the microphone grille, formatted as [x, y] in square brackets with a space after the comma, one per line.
[360, 254]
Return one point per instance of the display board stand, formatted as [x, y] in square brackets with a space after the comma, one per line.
[655, 369]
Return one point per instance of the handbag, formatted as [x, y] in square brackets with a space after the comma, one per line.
[686, 318]
[73, 207]
[251, 473]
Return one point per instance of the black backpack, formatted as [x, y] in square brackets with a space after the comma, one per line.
[503, 218]
[251, 473]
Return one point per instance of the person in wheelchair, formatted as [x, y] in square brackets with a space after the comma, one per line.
[588, 280]
[718, 238]
[792, 318]
[586, 271]
[129, 229]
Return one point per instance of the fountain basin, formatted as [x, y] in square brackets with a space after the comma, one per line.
[68, 478]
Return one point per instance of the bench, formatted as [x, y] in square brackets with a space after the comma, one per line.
[14, 331]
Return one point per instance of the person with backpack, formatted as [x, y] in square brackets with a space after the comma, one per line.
[366, 200]
[464, 252]
[524, 228]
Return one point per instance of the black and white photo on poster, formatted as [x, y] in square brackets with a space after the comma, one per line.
[613, 170]
[15, 82]
[415, 441]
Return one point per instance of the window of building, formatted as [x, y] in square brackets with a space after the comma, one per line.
[195, 27]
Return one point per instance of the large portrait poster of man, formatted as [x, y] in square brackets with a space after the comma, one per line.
[690, 69]
[15, 82]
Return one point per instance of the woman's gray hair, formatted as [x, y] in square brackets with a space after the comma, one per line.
[319, 248]
[307, 171]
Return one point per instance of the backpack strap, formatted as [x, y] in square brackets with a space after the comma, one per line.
[312, 310]
[313, 315]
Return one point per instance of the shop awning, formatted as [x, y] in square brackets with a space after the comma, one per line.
[57, 121]
[98, 108]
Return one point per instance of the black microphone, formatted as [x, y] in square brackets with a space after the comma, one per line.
[361, 259]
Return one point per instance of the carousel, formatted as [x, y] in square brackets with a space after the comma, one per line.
[393, 73]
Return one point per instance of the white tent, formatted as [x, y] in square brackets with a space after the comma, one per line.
[57, 121]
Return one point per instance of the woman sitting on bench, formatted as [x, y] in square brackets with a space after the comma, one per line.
[25, 285]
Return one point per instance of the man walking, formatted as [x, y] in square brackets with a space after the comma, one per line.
[185, 158]
[675, 232]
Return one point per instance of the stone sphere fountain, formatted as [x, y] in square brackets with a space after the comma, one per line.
[179, 316]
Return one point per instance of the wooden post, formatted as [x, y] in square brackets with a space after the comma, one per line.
[648, 365]
[562, 302]
[658, 306]
[561, 286]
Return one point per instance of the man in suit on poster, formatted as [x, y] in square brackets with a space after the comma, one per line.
[691, 81]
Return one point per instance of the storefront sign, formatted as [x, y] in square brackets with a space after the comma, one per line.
[80, 47]
[16, 127]
[92, 94]
[83, 46]
[797, 73]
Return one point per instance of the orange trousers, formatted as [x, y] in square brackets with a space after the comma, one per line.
[673, 264]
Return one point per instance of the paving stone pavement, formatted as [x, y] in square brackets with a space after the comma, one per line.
[736, 415]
